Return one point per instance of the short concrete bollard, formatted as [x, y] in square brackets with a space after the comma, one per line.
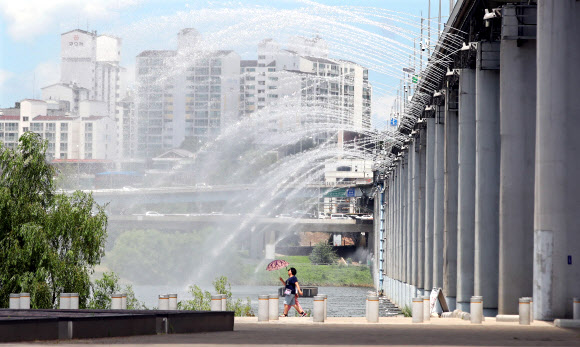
[373, 307]
[325, 296]
[263, 308]
[476, 308]
[123, 301]
[318, 314]
[14, 301]
[173, 302]
[25, 301]
[163, 302]
[117, 301]
[64, 301]
[426, 308]
[576, 308]
[74, 301]
[417, 310]
[224, 302]
[524, 311]
[367, 308]
[216, 302]
[273, 306]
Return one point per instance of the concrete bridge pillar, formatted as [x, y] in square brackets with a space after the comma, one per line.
[414, 150]
[557, 195]
[400, 228]
[516, 203]
[421, 211]
[257, 243]
[429, 201]
[439, 199]
[450, 204]
[487, 152]
[270, 244]
[409, 229]
[403, 231]
[466, 189]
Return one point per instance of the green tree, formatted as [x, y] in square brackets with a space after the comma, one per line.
[202, 299]
[323, 253]
[105, 287]
[50, 242]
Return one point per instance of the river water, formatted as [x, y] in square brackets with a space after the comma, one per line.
[342, 301]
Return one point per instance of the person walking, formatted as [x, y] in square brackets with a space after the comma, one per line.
[291, 289]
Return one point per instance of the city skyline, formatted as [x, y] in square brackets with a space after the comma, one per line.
[22, 75]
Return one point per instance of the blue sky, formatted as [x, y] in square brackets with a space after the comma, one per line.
[30, 30]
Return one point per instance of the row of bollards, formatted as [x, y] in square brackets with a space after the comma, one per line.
[526, 311]
[165, 302]
[268, 308]
[421, 309]
[218, 302]
[119, 301]
[69, 301]
[20, 301]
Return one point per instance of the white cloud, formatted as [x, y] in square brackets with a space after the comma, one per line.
[27, 18]
[4, 77]
[46, 73]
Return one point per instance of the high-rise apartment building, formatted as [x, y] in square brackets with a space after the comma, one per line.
[340, 87]
[92, 62]
[191, 93]
[184, 95]
[89, 135]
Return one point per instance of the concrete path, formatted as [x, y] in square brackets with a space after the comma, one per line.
[356, 332]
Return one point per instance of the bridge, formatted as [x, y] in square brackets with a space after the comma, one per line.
[481, 195]
[262, 232]
[129, 196]
[187, 223]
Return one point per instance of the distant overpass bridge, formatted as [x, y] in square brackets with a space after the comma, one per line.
[119, 198]
[260, 233]
[187, 223]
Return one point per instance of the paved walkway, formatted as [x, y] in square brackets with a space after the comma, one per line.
[356, 332]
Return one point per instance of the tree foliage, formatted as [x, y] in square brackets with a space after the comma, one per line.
[105, 287]
[323, 253]
[49, 241]
[201, 300]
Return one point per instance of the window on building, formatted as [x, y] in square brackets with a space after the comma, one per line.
[343, 168]
[271, 69]
[88, 137]
[25, 119]
[88, 127]
[35, 127]
[51, 127]
[63, 147]
[261, 57]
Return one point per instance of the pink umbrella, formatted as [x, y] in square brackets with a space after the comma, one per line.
[277, 265]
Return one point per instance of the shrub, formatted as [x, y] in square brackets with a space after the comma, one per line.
[323, 253]
[202, 299]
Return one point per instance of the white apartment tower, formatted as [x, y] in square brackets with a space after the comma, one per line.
[184, 95]
[92, 62]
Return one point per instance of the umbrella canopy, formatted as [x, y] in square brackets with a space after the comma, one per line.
[276, 265]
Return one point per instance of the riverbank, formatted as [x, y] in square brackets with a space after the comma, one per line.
[308, 274]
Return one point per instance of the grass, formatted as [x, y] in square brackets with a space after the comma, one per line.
[310, 274]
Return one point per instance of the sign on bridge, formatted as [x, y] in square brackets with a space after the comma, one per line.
[343, 193]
